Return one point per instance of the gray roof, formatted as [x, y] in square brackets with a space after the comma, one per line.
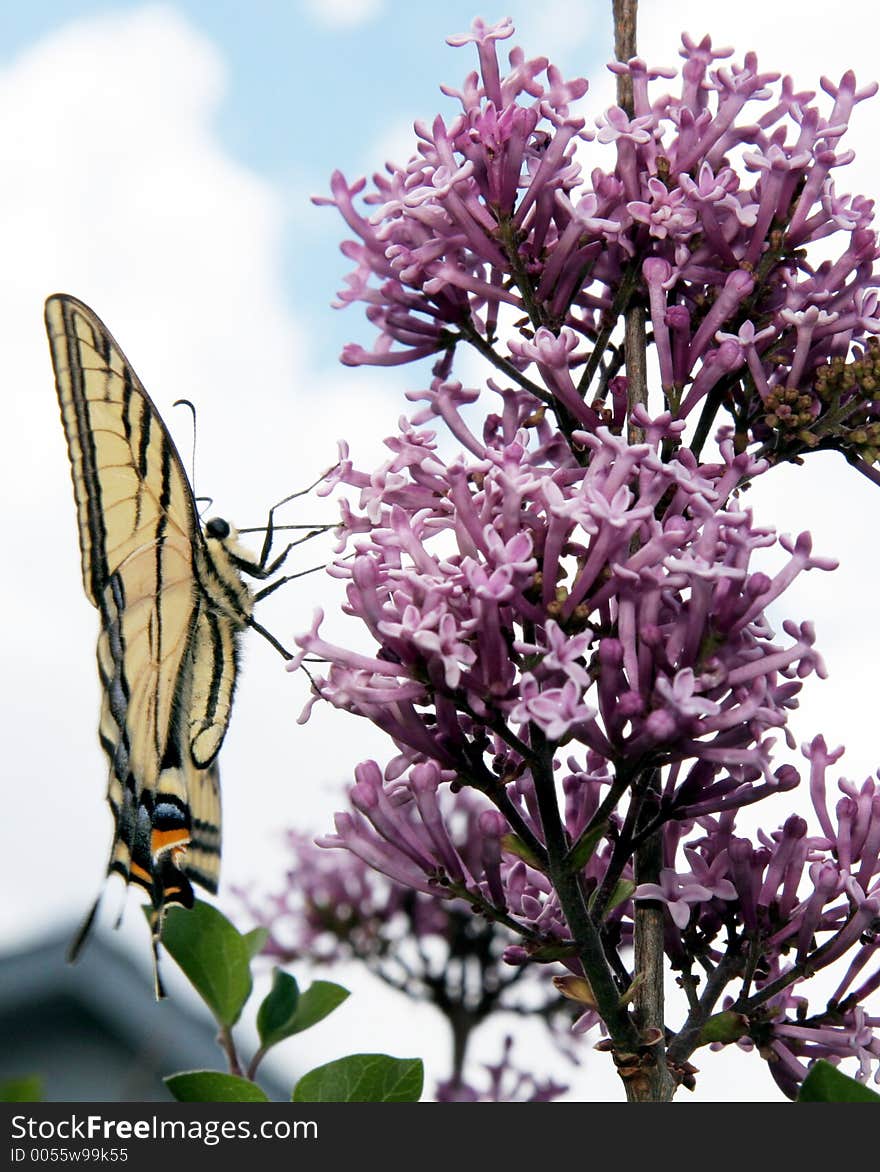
[93, 1031]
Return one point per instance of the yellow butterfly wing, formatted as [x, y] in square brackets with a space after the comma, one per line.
[137, 524]
[170, 605]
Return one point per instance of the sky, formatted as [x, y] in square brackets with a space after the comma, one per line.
[157, 162]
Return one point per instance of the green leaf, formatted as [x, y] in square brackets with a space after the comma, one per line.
[826, 1084]
[582, 851]
[514, 845]
[363, 1078]
[214, 955]
[27, 1089]
[623, 889]
[213, 1086]
[319, 1000]
[255, 939]
[548, 952]
[276, 1015]
[724, 1027]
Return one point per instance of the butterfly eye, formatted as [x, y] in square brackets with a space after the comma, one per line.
[218, 528]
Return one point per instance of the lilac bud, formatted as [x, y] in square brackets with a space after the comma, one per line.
[492, 826]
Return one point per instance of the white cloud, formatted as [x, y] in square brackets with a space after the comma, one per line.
[344, 14]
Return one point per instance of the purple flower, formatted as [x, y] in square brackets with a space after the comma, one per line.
[554, 710]
[666, 213]
[681, 892]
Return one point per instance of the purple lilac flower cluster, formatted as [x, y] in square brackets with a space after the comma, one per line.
[492, 235]
[571, 616]
[614, 604]
[332, 908]
[809, 900]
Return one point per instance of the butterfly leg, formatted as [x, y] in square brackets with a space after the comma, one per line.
[269, 637]
[263, 568]
[267, 590]
[155, 940]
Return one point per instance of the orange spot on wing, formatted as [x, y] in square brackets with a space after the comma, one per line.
[138, 873]
[163, 840]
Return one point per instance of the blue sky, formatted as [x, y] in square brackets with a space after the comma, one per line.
[308, 90]
[156, 160]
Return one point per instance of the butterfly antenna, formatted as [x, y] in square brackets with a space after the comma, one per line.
[192, 408]
[314, 529]
[306, 491]
[318, 528]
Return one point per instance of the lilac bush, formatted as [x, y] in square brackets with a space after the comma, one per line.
[504, 1084]
[334, 908]
[570, 616]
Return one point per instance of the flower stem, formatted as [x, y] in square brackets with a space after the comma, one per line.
[657, 1084]
[255, 1062]
[687, 1039]
[621, 302]
[476, 339]
[227, 1042]
[571, 899]
[625, 18]
[648, 1005]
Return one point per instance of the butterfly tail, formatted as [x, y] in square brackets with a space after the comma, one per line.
[156, 937]
[171, 888]
[78, 942]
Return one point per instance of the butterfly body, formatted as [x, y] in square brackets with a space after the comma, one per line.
[172, 602]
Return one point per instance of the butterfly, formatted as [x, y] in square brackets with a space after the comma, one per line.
[173, 602]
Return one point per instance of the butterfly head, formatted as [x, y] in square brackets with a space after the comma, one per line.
[218, 528]
[221, 536]
[219, 533]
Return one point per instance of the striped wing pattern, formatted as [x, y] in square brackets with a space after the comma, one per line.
[170, 603]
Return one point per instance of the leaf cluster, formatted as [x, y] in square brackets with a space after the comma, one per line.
[217, 960]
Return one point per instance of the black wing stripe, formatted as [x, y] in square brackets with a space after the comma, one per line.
[161, 527]
[206, 837]
[143, 434]
[94, 559]
[217, 669]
